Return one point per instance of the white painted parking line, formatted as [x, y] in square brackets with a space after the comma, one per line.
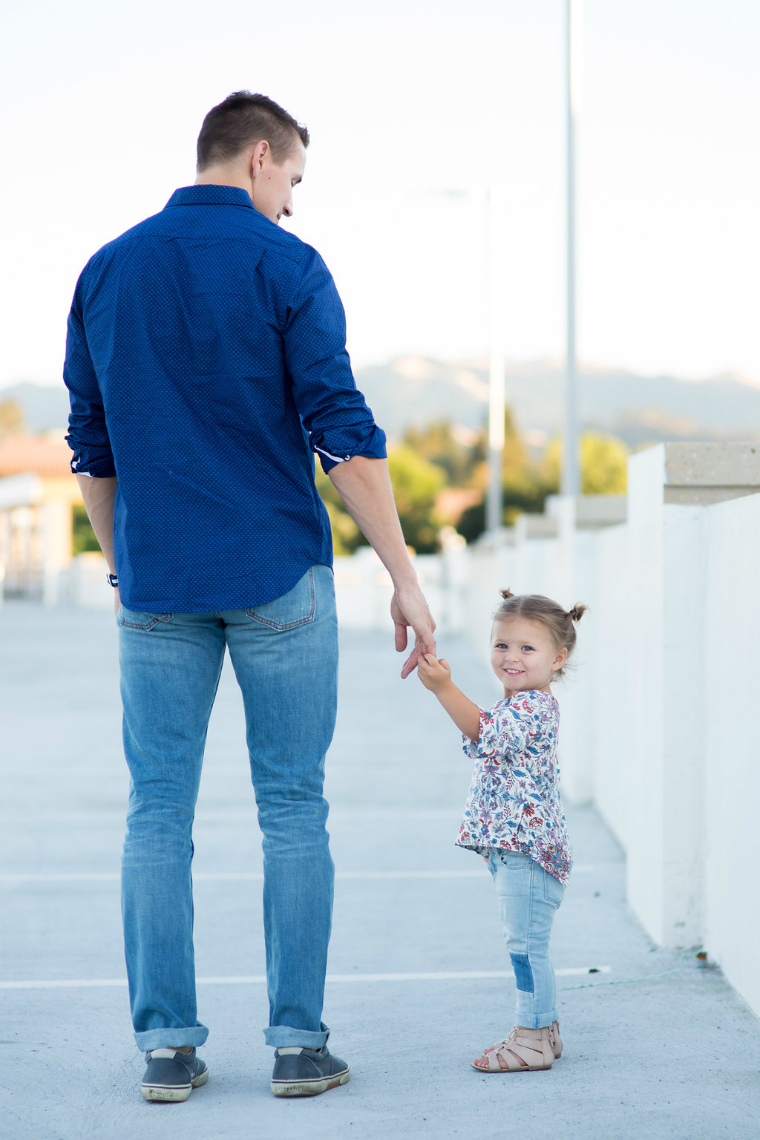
[260, 979]
[243, 876]
[226, 815]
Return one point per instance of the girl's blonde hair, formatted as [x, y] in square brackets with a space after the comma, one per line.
[560, 623]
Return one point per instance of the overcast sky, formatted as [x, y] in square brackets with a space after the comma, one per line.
[414, 108]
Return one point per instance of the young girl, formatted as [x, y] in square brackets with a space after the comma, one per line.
[513, 815]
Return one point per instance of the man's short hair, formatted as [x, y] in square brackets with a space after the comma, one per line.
[241, 120]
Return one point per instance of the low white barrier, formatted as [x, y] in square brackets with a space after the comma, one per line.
[86, 584]
[730, 741]
[363, 587]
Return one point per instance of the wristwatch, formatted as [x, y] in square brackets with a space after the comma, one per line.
[112, 580]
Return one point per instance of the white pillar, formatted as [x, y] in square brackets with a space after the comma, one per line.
[571, 483]
[55, 548]
[496, 372]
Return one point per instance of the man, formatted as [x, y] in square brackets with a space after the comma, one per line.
[206, 365]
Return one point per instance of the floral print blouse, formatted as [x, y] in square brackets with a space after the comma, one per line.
[513, 802]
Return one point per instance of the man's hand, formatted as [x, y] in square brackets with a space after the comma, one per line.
[409, 608]
[435, 673]
[116, 600]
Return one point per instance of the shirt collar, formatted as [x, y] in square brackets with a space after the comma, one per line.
[210, 196]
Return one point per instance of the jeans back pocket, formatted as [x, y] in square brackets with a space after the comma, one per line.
[297, 607]
[131, 619]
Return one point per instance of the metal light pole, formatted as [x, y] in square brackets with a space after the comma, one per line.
[571, 483]
[497, 301]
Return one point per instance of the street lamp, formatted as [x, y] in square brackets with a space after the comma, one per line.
[570, 457]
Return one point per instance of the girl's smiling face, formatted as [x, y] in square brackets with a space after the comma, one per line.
[523, 654]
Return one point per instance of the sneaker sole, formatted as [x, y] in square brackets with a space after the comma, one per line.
[312, 1087]
[173, 1093]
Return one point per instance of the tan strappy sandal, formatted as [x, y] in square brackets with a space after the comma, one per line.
[556, 1040]
[524, 1051]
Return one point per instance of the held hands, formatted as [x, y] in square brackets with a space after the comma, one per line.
[434, 673]
[409, 608]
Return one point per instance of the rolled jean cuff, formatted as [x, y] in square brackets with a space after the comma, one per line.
[281, 1036]
[171, 1038]
[534, 1020]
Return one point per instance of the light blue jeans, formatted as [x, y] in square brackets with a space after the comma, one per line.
[285, 658]
[529, 898]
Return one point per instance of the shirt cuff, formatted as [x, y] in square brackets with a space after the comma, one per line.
[96, 462]
[333, 451]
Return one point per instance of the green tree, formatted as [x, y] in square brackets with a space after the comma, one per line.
[525, 483]
[416, 483]
[438, 444]
[604, 464]
[525, 495]
[83, 536]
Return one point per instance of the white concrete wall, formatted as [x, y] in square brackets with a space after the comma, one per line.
[658, 719]
[85, 583]
[363, 588]
[731, 661]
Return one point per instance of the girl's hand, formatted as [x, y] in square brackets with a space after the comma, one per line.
[434, 673]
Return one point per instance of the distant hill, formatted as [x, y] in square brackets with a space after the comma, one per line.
[415, 390]
[45, 407]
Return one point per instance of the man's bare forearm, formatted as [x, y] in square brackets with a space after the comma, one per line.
[99, 496]
[364, 485]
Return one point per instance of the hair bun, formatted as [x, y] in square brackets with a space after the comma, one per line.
[577, 612]
[506, 593]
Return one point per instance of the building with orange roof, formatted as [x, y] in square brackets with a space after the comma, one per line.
[37, 494]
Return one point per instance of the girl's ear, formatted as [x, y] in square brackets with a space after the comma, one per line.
[560, 659]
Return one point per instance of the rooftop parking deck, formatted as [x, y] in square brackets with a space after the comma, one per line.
[674, 1055]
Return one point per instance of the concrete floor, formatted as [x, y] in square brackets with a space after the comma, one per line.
[676, 1056]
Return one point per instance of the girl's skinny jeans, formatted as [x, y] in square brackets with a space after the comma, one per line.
[529, 897]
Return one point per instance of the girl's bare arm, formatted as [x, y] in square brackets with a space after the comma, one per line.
[435, 675]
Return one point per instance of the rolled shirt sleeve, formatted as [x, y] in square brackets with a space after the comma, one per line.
[88, 435]
[334, 412]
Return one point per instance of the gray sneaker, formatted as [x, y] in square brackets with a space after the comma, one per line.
[305, 1072]
[172, 1075]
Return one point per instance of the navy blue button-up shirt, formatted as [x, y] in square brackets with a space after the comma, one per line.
[206, 362]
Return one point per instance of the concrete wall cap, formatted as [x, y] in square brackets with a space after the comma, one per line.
[712, 464]
[536, 526]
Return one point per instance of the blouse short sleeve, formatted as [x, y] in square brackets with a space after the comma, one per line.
[509, 726]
